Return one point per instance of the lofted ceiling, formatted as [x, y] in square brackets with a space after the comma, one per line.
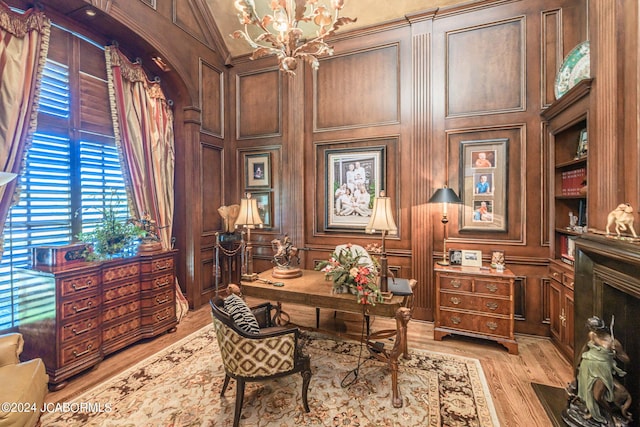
[368, 12]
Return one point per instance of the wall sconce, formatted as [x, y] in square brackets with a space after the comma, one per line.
[382, 220]
[248, 218]
[445, 196]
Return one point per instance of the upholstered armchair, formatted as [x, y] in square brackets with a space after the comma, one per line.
[23, 384]
[271, 352]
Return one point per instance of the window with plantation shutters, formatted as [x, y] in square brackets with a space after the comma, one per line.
[72, 169]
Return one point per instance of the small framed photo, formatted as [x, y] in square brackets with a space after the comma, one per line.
[257, 170]
[583, 144]
[471, 258]
[455, 257]
[497, 258]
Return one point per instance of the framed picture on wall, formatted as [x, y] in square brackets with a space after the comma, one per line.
[353, 178]
[257, 169]
[265, 208]
[484, 184]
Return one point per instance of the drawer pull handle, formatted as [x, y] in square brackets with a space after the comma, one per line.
[161, 318]
[456, 283]
[163, 266]
[492, 325]
[456, 320]
[492, 288]
[89, 347]
[84, 331]
[163, 283]
[455, 300]
[76, 288]
[555, 274]
[570, 284]
[162, 301]
[492, 306]
[80, 310]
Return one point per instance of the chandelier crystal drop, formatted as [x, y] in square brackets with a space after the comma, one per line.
[279, 31]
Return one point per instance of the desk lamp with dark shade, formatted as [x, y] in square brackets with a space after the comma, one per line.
[445, 196]
[382, 220]
[248, 218]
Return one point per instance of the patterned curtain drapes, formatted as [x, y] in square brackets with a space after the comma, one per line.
[143, 123]
[24, 42]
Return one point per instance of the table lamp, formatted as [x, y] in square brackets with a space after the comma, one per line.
[445, 196]
[248, 218]
[382, 220]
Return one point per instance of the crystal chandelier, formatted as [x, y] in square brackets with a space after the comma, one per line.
[286, 39]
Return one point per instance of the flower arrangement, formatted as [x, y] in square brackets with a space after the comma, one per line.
[355, 272]
[111, 236]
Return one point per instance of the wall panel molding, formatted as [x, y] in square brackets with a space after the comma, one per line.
[485, 77]
[421, 224]
[516, 186]
[357, 89]
[212, 99]
[551, 54]
[259, 104]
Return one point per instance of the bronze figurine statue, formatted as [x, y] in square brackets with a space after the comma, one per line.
[285, 258]
[596, 397]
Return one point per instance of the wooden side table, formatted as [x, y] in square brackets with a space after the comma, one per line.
[476, 302]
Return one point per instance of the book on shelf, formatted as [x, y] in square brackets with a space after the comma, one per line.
[572, 181]
[567, 249]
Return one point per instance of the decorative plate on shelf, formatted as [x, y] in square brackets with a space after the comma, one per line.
[576, 67]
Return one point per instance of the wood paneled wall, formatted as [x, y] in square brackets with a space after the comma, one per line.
[415, 88]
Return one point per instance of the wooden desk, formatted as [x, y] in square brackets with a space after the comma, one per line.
[312, 290]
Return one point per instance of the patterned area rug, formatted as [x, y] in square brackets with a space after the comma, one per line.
[180, 386]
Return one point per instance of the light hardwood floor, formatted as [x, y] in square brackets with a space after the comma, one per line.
[509, 376]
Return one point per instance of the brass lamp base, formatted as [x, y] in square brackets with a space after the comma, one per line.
[442, 262]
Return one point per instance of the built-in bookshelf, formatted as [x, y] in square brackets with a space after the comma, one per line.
[567, 126]
[567, 123]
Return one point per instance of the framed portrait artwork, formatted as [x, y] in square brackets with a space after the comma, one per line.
[484, 184]
[265, 208]
[257, 169]
[353, 178]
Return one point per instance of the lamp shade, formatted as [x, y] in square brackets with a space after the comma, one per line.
[6, 177]
[249, 216]
[444, 195]
[382, 216]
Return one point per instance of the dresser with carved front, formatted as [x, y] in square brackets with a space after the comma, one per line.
[476, 302]
[93, 309]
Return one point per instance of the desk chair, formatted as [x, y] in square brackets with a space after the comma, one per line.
[271, 353]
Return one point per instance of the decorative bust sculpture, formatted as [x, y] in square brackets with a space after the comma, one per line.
[229, 215]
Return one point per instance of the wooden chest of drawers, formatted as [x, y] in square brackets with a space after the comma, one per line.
[94, 309]
[475, 302]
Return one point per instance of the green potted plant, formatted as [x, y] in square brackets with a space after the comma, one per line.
[112, 236]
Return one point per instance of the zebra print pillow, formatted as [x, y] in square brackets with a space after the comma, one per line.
[241, 314]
